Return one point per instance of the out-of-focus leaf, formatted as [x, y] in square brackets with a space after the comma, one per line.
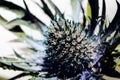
[61, 15]
[89, 11]
[16, 29]
[40, 78]
[36, 78]
[118, 64]
[47, 10]
[26, 6]
[27, 15]
[13, 7]
[19, 64]
[84, 16]
[7, 63]
[118, 48]
[25, 26]
[116, 21]
[30, 64]
[36, 45]
[32, 33]
[94, 15]
[102, 19]
[76, 10]
[21, 75]
[20, 21]
[115, 43]
[3, 21]
[18, 55]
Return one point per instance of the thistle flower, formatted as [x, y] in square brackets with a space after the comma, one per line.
[72, 50]
[69, 49]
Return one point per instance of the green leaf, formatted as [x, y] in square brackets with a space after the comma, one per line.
[3, 21]
[19, 21]
[89, 14]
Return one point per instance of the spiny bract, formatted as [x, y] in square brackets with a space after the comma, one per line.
[69, 49]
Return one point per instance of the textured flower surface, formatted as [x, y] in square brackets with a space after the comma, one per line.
[70, 49]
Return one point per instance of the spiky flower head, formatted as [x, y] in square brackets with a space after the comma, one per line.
[69, 49]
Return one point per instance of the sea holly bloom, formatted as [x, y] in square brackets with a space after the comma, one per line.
[70, 50]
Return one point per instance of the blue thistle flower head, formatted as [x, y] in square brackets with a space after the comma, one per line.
[70, 50]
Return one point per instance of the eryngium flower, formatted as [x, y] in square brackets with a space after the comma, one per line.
[70, 52]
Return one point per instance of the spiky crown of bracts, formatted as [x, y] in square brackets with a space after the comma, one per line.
[69, 49]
